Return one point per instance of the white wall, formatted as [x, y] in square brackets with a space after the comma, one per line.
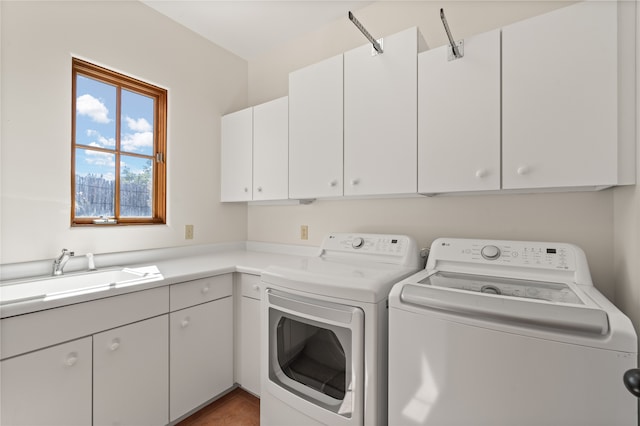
[627, 230]
[585, 219]
[204, 82]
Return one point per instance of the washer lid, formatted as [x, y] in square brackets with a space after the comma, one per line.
[549, 305]
[527, 289]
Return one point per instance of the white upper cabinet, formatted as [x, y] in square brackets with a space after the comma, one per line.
[380, 116]
[459, 117]
[316, 130]
[567, 97]
[236, 156]
[254, 153]
[271, 150]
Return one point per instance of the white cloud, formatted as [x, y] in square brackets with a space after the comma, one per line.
[139, 125]
[100, 141]
[93, 108]
[134, 142]
[97, 158]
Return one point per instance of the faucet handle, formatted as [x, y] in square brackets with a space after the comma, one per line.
[67, 251]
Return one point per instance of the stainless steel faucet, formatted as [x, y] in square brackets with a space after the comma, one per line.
[60, 261]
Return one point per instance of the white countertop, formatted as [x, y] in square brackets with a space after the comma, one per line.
[253, 259]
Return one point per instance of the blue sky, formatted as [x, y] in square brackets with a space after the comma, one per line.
[96, 126]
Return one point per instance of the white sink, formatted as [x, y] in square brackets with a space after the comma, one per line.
[51, 288]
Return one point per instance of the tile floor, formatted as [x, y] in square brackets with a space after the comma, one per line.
[237, 408]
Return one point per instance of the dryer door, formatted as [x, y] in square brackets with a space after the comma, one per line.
[316, 357]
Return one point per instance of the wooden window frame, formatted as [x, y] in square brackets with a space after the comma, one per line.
[121, 81]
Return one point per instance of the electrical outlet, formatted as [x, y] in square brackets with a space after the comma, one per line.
[188, 232]
[304, 232]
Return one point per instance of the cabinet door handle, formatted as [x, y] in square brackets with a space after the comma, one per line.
[205, 289]
[185, 322]
[246, 189]
[480, 173]
[259, 189]
[333, 183]
[256, 287]
[72, 358]
[115, 344]
[523, 170]
[354, 182]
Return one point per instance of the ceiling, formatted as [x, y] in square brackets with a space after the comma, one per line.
[250, 28]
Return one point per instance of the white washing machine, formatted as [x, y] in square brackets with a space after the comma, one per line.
[324, 331]
[507, 333]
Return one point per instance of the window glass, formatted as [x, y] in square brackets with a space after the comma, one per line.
[95, 183]
[136, 132]
[95, 113]
[136, 186]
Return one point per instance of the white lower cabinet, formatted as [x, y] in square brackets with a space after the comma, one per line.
[48, 387]
[130, 374]
[201, 354]
[249, 333]
[144, 358]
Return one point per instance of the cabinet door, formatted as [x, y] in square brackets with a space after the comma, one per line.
[48, 387]
[380, 117]
[131, 374]
[249, 333]
[459, 117]
[201, 354]
[316, 130]
[559, 94]
[236, 156]
[271, 150]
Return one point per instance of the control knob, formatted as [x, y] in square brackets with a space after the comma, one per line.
[357, 242]
[490, 252]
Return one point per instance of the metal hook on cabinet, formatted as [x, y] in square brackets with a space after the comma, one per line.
[457, 48]
[376, 44]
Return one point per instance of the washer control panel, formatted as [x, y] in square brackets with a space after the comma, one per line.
[553, 256]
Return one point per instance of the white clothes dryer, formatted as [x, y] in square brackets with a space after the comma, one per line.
[507, 333]
[324, 331]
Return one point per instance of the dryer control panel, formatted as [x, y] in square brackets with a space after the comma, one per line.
[384, 248]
